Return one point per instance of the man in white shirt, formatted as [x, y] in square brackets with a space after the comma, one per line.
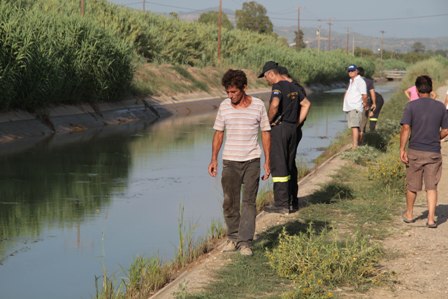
[355, 101]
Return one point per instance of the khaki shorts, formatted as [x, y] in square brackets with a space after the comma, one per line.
[353, 118]
[364, 120]
[423, 166]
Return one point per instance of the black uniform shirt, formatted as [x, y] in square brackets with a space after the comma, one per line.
[290, 95]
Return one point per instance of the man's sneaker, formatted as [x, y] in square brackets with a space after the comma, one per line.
[275, 209]
[246, 251]
[229, 247]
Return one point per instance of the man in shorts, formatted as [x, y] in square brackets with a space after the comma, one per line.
[355, 101]
[425, 121]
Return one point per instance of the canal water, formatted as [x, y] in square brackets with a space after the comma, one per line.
[73, 209]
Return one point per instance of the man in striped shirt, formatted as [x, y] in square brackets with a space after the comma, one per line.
[241, 116]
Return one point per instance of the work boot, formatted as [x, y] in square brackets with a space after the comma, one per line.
[294, 207]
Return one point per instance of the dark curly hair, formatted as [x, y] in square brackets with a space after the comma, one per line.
[236, 78]
[423, 84]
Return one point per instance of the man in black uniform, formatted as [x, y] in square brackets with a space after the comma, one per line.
[294, 187]
[288, 108]
[375, 100]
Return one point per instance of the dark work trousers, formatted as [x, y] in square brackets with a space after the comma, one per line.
[236, 176]
[374, 118]
[293, 186]
[283, 151]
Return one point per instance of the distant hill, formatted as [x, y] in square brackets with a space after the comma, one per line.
[338, 39]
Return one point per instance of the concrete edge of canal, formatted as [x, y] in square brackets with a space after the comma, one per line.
[20, 126]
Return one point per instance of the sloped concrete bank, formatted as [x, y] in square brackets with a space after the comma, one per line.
[21, 130]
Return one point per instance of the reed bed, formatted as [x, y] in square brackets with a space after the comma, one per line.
[48, 59]
[51, 55]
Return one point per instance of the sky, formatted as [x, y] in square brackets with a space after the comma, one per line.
[396, 18]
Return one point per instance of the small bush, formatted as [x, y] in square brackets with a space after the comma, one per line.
[388, 170]
[375, 140]
[388, 129]
[362, 155]
[318, 263]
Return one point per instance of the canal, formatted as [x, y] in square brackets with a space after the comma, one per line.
[70, 211]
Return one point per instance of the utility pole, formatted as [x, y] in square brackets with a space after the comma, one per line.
[353, 45]
[144, 5]
[219, 31]
[382, 44]
[329, 34]
[82, 5]
[346, 44]
[298, 29]
[318, 39]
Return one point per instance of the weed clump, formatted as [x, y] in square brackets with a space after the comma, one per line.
[362, 155]
[146, 276]
[318, 263]
[388, 170]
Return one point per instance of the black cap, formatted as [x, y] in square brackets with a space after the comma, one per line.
[352, 67]
[282, 70]
[270, 65]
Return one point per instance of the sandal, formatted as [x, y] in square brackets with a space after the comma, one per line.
[406, 220]
[432, 225]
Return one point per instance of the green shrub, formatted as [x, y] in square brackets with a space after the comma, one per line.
[376, 140]
[361, 155]
[318, 263]
[388, 170]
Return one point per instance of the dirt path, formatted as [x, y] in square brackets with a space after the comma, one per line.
[422, 263]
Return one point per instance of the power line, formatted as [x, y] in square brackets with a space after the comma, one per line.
[156, 4]
[309, 19]
[366, 20]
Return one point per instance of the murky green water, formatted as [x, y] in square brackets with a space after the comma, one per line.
[74, 207]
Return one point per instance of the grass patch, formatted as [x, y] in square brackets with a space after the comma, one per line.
[331, 193]
[188, 76]
[243, 277]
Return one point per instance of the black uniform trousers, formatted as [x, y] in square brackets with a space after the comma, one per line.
[293, 183]
[374, 118]
[283, 159]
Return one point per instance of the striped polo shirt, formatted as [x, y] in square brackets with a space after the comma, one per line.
[241, 126]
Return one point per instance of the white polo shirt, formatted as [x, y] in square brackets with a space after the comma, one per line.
[353, 95]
